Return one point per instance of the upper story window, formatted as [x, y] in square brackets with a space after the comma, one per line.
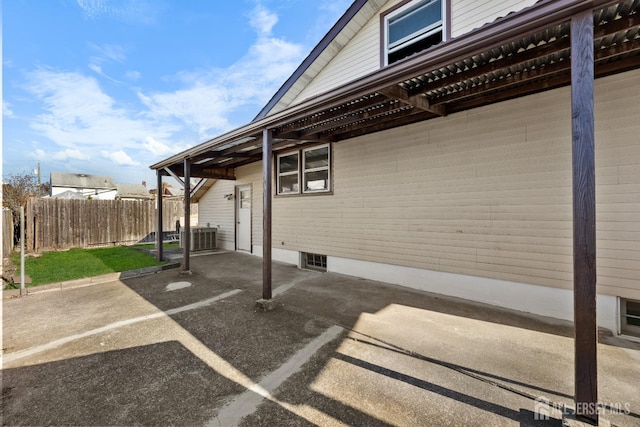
[310, 166]
[413, 27]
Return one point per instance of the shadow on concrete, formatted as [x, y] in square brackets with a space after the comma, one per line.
[165, 383]
[435, 388]
[158, 384]
[474, 373]
[257, 343]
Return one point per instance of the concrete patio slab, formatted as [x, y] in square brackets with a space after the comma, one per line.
[337, 350]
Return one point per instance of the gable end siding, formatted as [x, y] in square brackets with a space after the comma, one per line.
[361, 55]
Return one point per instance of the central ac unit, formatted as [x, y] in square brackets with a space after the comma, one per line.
[202, 238]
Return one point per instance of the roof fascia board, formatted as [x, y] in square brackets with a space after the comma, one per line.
[530, 20]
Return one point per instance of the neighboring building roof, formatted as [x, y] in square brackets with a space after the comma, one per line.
[69, 194]
[132, 191]
[81, 180]
[173, 191]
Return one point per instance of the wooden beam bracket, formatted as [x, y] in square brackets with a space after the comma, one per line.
[419, 101]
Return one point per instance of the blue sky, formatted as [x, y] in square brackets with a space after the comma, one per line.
[109, 87]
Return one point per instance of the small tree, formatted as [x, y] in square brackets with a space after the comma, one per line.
[17, 189]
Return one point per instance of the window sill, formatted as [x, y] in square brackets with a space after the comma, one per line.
[319, 193]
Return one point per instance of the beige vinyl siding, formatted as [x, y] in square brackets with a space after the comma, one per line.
[214, 209]
[359, 57]
[467, 15]
[485, 192]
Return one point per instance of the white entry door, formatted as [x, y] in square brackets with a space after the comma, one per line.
[243, 218]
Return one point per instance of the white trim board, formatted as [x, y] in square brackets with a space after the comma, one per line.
[536, 299]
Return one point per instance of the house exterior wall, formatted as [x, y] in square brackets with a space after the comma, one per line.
[361, 55]
[485, 193]
[467, 15]
[218, 211]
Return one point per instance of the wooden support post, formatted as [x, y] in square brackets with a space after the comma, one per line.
[23, 290]
[584, 218]
[186, 241]
[159, 239]
[267, 142]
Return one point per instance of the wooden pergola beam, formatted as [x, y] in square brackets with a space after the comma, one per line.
[214, 173]
[418, 101]
[201, 171]
[518, 58]
[318, 133]
[348, 108]
[554, 82]
[173, 174]
[529, 76]
[400, 119]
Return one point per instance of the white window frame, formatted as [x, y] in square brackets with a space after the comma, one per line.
[629, 332]
[304, 170]
[281, 174]
[301, 169]
[407, 41]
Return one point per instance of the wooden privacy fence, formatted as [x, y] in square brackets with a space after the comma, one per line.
[53, 224]
[7, 232]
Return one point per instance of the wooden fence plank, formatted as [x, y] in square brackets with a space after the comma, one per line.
[7, 232]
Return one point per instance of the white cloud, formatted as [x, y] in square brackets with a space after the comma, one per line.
[201, 107]
[83, 120]
[69, 153]
[98, 70]
[209, 98]
[77, 113]
[95, 68]
[262, 20]
[111, 52]
[6, 109]
[157, 148]
[120, 158]
[132, 75]
[143, 11]
[38, 154]
[106, 53]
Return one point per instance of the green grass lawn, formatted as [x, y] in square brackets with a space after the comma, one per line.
[54, 267]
